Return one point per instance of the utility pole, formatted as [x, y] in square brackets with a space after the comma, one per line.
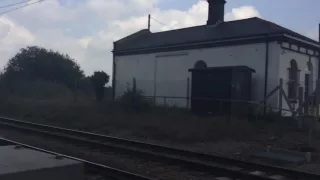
[149, 21]
[319, 33]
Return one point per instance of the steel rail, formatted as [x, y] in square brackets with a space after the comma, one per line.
[206, 161]
[103, 170]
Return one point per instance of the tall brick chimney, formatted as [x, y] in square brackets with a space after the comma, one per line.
[216, 11]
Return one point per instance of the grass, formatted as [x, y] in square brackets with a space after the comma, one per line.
[144, 121]
[156, 123]
[170, 126]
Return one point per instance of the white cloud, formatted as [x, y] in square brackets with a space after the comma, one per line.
[12, 33]
[86, 30]
[12, 37]
[242, 13]
[84, 42]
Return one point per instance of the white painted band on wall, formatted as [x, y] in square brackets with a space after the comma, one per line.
[313, 44]
[173, 54]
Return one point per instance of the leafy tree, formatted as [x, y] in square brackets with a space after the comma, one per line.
[35, 63]
[99, 80]
[85, 85]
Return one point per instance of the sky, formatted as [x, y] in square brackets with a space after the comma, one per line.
[86, 29]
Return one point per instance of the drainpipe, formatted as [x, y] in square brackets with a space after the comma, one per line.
[266, 75]
[319, 32]
[113, 73]
[319, 55]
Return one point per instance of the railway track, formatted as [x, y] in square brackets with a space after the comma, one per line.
[221, 167]
[94, 168]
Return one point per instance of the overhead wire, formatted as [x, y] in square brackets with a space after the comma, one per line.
[20, 7]
[158, 21]
[164, 23]
[14, 4]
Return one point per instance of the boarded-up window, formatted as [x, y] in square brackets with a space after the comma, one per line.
[293, 80]
[310, 83]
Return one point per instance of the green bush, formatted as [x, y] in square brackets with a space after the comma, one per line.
[133, 100]
[258, 112]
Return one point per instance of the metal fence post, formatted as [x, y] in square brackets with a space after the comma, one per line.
[300, 110]
[188, 92]
[134, 85]
[280, 95]
[314, 120]
[220, 107]
[315, 123]
[317, 97]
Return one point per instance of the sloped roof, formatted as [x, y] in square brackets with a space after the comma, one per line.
[225, 30]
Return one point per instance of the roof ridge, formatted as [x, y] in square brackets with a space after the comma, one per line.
[274, 24]
[191, 27]
[286, 30]
[204, 25]
[254, 26]
[237, 20]
[134, 35]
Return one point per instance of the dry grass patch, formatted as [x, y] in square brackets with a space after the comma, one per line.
[157, 123]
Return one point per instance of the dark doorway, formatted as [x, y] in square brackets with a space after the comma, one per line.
[212, 88]
[306, 84]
